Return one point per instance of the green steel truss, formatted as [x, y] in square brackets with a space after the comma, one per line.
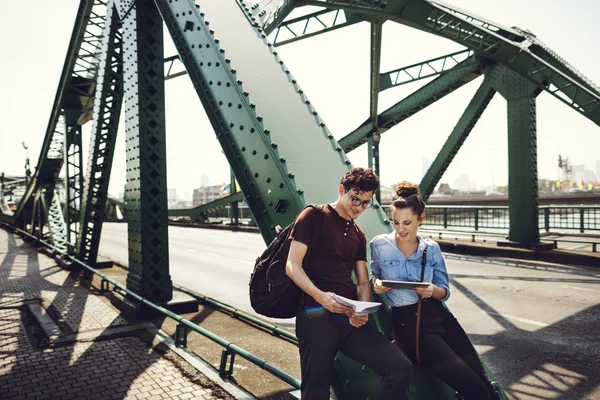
[107, 109]
[195, 212]
[309, 25]
[426, 69]
[74, 176]
[461, 131]
[513, 47]
[146, 189]
[75, 90]
[444, 84]
[273, 138]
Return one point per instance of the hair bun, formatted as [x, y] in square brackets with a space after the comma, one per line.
[405, 189]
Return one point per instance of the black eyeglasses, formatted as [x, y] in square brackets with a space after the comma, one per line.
[356, 202]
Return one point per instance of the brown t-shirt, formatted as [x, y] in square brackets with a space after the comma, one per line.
[333, 259]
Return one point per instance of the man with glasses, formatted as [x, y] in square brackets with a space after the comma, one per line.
[324, 326]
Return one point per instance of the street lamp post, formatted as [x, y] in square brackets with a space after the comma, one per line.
[27, 166]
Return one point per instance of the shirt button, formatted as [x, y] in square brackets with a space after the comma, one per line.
[345, 234]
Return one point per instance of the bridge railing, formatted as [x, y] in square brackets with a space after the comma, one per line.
[555, 218]
[584, 218]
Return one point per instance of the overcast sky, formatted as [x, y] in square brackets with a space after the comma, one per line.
[333, 70]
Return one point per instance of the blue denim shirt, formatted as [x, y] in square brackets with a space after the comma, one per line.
[388, 262]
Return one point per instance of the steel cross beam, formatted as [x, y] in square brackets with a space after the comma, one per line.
[75, 84]
[196, 211]
[272, 13]
[459, 134]
[415, 102]
[426, 69]
[314, 24]
[174, 62]
[107, 110]
[515, 48]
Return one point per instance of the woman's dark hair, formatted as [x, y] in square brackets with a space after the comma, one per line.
[408, 195]
[361, 180]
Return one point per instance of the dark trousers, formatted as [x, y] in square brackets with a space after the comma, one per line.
[445, 349]
[321, 336]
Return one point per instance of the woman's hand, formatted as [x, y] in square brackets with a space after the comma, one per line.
[378, 286]
[358, 320]
[426, 292]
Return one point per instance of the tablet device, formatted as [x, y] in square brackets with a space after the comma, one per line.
[404, 284]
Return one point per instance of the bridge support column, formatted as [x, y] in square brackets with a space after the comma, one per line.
[146, 189]
[520, 95]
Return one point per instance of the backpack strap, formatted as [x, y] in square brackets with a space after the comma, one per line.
[423, 261]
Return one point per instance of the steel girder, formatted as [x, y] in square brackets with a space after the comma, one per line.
[317, 23]
[73, 176]
[461, 131]
[107, 110]
[195, 212]
[271, 13]
[513, 47]
[56, 221]
[273, 138]
[75, 85]
[523, 200]
[146, 190]
[426, 69]
[417, 101]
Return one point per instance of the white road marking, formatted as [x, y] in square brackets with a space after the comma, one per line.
[244, 261]
[580, 288]
[192, 250]
[529, 321]
[214, 255]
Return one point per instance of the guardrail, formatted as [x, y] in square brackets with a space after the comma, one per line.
[231, 350]
[580, 218]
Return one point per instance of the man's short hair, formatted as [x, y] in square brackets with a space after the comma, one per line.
[361, 180]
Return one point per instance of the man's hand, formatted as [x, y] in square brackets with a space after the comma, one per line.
[379, 288]
[358, 320]
[327, 300]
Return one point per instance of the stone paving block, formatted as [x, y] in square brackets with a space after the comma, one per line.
[121, 368]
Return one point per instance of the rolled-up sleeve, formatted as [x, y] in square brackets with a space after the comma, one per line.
[440, 273]
[375, 267]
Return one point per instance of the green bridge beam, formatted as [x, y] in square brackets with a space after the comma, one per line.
[461, 131]
[412, 104]
[426, 69]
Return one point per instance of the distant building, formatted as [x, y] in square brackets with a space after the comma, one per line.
[386, 193]
[463, 183]
[444, 188]
[171, 196]
[582, 173]
[207, 194]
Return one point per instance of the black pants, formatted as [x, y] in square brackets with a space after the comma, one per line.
[445, 349]
[321, 337]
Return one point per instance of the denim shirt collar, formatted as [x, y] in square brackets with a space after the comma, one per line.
[391, 238]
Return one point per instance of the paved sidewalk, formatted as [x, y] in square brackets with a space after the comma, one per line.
[59, 340]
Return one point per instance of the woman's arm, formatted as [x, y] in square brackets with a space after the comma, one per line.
[376, 272]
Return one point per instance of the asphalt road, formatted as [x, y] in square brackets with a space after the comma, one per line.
[534, 324]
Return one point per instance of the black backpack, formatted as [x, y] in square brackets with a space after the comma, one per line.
[272, 293]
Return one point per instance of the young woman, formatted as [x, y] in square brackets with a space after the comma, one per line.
[444, 347]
